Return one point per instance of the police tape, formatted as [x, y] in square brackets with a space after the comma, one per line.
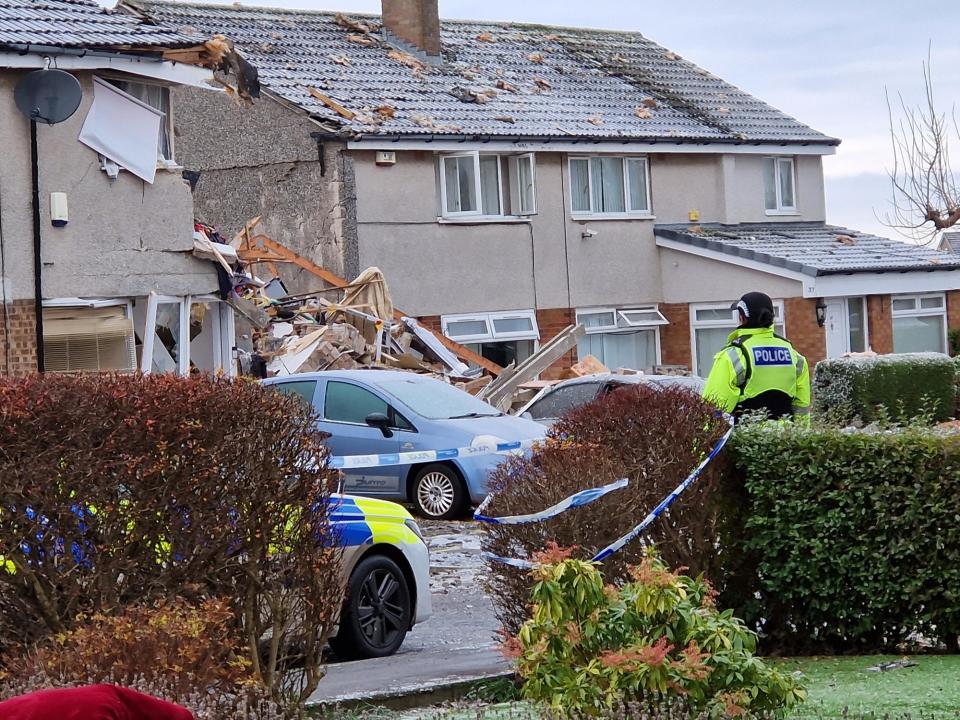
[621, 542]
[584, 497]
[350, 462]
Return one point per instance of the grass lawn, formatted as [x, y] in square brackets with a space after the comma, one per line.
[836, 684]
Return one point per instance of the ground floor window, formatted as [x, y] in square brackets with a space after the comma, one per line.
[92, 338]
[711, 324]
[919, 323]
[621, 337]
[501, 337]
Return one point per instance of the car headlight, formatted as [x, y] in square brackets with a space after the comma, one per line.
[412, 524]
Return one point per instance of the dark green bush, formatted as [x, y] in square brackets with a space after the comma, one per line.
[854, 536]
[899, 386]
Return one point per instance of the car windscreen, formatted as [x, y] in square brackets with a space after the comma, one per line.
[437, 400]
[560, 401]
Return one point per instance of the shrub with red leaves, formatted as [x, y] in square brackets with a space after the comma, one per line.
[121, 490]
[655, 437]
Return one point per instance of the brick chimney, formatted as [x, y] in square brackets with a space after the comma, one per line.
[414, 26]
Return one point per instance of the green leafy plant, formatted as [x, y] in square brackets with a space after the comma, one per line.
[852, 536]
[589, 646]
[898, 387]
[654, 437]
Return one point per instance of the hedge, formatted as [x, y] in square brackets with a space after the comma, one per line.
[899, 386]
[852, 537]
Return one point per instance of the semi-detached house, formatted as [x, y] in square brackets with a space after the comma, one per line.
[511, 179]
[96, 225]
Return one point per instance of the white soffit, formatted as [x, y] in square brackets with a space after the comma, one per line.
[123, 129]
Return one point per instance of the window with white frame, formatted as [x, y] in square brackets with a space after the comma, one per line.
[779, 195]
[621, 337]
[89, 339]
[711, 325]
[502, 337]
[609, 185]
[919, 323]
[856, 323]
[474, 184]
[157, 97]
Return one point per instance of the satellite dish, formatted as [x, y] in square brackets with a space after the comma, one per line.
[49, 96]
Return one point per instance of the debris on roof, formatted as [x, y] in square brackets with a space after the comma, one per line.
[582, 73]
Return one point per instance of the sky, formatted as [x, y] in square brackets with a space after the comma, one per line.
[828, 63]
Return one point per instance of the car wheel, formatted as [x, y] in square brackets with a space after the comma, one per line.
[377, 613]
[439, 493]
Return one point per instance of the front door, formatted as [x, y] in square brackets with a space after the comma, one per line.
[836, 327]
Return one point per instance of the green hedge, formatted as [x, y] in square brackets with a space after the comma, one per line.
[905, 386]
[851, 538]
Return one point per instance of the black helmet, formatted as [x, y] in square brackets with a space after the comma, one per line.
[756, 309]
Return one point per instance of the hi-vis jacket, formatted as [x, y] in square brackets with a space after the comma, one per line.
[756, 361]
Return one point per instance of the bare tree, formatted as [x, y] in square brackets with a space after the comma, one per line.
[925, 193]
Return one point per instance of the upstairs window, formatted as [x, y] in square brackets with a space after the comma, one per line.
[778, 186]
[482, 185]
[609, 185]
[157, 97]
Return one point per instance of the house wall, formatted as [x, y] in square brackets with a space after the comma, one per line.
[745, 190]
[124, 237]
[688, 278]
[261, 160]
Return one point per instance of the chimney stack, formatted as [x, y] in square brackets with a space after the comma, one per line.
[414, 26]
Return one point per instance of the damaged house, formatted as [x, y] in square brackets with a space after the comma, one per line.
[510, 180]
[96, 218]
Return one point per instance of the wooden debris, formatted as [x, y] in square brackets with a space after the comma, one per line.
[428, 122]
[341, 60]
[642, 113]
[551, 38]
[723, 109]
[846, 240]
[595, 120]
[535, 57]
[500, 393]
[486, 37]
[356, 26]
[588, 366]
[332, 104]
[504, 85]
[407, 59]
[218, 47]
[542, 84]
[385, 111]
[364, 40]
[671, 55]
[505, 119]
[649, 102]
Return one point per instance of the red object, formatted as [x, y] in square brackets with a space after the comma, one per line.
[96, 702]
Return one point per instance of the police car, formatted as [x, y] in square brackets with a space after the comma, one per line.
[386, 570]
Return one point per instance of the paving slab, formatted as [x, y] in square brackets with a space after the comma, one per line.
[411, 679]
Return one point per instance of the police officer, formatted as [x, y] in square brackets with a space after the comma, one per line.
[758, 369]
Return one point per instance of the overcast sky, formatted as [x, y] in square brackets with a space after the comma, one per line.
[825, 62]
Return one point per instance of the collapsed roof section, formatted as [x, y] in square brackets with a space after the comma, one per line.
[501, 80]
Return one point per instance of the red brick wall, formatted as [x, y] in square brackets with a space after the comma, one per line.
[675, 337]
[807, 337]
[18, 338]
[880, 321]
[414, 21]
[552, 323]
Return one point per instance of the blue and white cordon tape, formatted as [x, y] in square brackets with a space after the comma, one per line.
[584, 497]
[347, 462]
[595, 494]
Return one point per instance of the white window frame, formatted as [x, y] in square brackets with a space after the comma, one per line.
[517, 197]
[164, 163]
[778, 314]
[919, 311]
[125, 303]
[782, 209]
[512, 162]
[628, 326]
[593, 213]
[224, 324]
[492, 335]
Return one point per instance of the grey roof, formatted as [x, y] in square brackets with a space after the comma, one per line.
[79, 24]
[810, 248]
[950, 241]
[543, 82]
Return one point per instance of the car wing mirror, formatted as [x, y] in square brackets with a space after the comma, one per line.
[527, 415]
[380, 421]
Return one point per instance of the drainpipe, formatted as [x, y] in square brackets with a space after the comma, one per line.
[37, 262]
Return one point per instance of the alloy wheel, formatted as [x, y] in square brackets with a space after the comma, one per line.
[435, 493]
[380, 608]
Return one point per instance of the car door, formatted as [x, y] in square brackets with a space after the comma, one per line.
[344, 406]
